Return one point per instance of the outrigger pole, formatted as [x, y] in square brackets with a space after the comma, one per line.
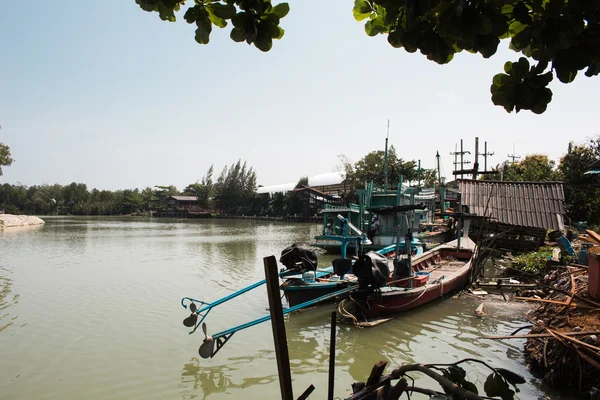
[207, 349]
[192, 320]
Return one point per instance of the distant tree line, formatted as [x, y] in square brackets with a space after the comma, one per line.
[231, 193]
[234, 190]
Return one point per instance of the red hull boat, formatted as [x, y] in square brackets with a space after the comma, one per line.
[436, 273]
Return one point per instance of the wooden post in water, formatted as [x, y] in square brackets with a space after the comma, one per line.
[278, 324]
[332, 356]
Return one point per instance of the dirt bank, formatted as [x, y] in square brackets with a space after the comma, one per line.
[11, 221]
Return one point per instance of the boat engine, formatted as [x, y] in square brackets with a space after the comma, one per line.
[402, 268]
[299, 255]
[341, 266]
[371, 269]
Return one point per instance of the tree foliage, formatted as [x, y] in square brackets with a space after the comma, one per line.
[533, 168]
[202, 190]
[234, 188]
[371, 168]
[236, 194]
[254, 21]
[5, 157]
[559, 37]
[582, 192]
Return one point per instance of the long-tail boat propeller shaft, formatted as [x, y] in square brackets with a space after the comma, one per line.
[207, 348]
[205, 307]
[192, 320]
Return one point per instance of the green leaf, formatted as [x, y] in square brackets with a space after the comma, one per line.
[362, 9]
[521, 13]
[500, 79]
[484, 26]
[503, 96]
[263, 41]
[511, 377]
[566, 76]
[281, 10]
[274, 30]
[192, 14]
[520, 68]
[238, 34]
[522, 39]
[223, 11]
[487, 45]
[395, 37]
[239, 20]
[457, 372]
[495, 385]
[375, 26]
[508, 67]
[203, 31]
[220, 22]
[167, 13]
[271, 17]
[470, 387]
[593, 69]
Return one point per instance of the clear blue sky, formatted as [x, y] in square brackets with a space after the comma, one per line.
[109, 95]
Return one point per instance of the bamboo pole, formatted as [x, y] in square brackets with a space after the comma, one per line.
[538, 335]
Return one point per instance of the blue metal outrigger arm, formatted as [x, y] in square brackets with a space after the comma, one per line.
[206, 350]
[203, 311]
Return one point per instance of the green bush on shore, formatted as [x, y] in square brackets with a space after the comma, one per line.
[533, 262]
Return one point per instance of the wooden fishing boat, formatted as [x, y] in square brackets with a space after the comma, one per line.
[434, 274]
[298, 289]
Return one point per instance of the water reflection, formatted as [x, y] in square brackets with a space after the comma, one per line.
[198, 381]
[20, 230]
[7, 299]
[125, 276]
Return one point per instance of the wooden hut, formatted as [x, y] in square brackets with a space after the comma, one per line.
[522, 212]
[184, 207]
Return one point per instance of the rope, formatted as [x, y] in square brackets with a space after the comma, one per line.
[410, 302]
[347, 314]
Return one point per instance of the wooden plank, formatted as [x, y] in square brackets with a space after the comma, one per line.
[538, 335]
[376, 373]
[561, 303]
[593, 235]
[508, 285]
[587, 239]
[278, 324]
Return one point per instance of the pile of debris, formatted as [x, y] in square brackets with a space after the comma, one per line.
[565, 348]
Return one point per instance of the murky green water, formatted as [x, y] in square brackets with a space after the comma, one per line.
[89, 308]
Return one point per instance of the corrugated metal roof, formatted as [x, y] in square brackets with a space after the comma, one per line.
[528, 204]
[184, 198]
[328, 178]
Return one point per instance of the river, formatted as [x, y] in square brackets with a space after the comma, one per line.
[90, 308]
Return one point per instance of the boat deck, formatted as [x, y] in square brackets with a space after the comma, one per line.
[443, 264]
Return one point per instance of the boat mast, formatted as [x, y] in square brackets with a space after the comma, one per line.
[385, 161]
[437, 156]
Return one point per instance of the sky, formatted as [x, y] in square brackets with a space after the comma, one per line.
[107, 94]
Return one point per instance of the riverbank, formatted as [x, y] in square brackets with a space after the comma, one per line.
[565, 350]
[13, 221]
[290, 218]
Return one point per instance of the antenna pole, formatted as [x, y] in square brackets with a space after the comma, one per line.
[385, 161]
[437, 156]
[513, 156]
[485, 156]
